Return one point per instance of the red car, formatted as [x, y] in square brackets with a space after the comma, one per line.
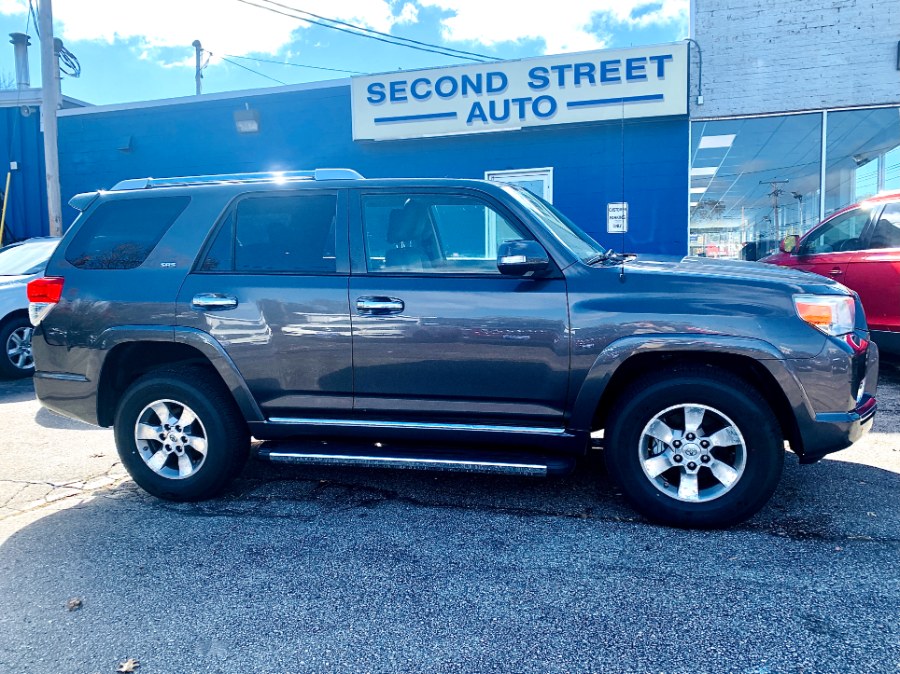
[860, 247]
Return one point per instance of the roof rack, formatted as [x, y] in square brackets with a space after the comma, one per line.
[270, 176]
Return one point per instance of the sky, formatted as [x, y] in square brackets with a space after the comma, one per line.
[134, 50]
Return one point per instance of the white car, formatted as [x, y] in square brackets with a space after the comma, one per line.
[19, 263]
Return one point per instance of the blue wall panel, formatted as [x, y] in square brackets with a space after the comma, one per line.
[643, 162]
[21, 141]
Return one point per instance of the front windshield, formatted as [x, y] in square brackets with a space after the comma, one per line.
[26, 258]
[568, 233]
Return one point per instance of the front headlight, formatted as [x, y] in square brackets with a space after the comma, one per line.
[832, 314]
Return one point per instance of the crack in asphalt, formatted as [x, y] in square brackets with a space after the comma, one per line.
[73, 488]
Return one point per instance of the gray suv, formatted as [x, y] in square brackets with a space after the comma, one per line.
[444, 324]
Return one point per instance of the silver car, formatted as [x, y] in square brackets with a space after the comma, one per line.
[19, 264]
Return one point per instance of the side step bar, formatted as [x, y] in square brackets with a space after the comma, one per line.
[471, 460]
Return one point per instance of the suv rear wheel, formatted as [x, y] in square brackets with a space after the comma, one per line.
[180, 435]
[694, 448]
[15, 338]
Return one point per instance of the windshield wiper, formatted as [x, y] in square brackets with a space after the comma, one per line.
[609, 256]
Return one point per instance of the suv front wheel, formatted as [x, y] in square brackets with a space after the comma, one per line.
[694, 447]
[180, 434]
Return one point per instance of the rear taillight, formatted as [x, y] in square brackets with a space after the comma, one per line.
[43, 295]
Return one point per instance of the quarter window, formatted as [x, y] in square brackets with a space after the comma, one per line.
[440, 234]
[121, 234]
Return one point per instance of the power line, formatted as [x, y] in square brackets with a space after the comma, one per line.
[377, 32]
[296, 65]
[393, 41]
[241, 65]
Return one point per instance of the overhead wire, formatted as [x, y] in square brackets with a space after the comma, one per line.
[295, 14]
[296, 65]
[241, 65]
[372, 31]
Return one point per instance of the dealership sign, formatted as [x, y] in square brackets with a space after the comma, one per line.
[505, 95]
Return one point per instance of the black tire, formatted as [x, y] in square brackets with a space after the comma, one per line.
[725, 394]
[222, 428]
[11, 332]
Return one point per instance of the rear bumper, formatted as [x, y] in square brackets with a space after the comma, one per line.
[71, 395]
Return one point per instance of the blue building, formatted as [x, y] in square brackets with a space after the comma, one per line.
[587, 131]
[22, 158]
[584, 130]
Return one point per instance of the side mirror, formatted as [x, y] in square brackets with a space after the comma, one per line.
[789, 243]
[517, 258]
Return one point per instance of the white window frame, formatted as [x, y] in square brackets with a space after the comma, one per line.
[509, 176]
[512, 176]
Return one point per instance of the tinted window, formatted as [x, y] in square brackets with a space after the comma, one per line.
[120, 234]
[434, 234]
[220, 256]
[285, 234]
[887, 230]
[839, 234]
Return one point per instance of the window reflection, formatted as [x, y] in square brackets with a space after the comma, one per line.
[861, 146]
[754, 181]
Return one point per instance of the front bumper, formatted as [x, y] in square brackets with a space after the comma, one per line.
[836, 431]
[834, 382]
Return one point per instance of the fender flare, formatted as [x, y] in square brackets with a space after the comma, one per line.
[209, 347]
[615, 354]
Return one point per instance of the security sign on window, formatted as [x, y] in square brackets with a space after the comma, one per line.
[617, 217]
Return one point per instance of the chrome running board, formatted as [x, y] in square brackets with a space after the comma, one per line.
[373, 456]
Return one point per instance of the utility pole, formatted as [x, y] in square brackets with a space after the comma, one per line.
[198, 75]
[49, 106]
[775, 193]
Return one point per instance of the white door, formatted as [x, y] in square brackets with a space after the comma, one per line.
[538, 181]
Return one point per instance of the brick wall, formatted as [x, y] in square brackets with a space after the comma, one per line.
[779, 55]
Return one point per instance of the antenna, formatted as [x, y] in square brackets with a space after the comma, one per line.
[624, 229]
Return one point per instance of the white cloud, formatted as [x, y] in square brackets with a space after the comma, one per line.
[223, 26]
[563, 25]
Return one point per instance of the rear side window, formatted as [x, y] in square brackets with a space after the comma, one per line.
[286, 234]
[121, 234]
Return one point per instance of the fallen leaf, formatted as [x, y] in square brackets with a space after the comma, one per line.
[74, 604]
[128, 666]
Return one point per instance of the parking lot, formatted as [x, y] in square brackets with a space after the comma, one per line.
[345, 570]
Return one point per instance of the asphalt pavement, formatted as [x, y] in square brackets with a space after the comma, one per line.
[348, 570]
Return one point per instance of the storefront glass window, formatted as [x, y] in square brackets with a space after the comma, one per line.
[861, 155]
[753, 181]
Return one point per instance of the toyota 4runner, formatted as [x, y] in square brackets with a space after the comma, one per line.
[461, 324]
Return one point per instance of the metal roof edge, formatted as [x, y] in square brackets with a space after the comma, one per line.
[14, 98]
[187, 100]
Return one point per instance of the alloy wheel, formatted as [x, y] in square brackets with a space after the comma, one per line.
[171, 439]
[18, 348]
[692, 453]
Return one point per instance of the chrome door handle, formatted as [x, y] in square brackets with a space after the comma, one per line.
[213, 301]
[836, 271]
[379, 305]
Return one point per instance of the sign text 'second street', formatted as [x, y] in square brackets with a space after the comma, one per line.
[592, 86]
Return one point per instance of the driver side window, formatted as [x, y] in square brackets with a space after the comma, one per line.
[434, 234]
[842, 233]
